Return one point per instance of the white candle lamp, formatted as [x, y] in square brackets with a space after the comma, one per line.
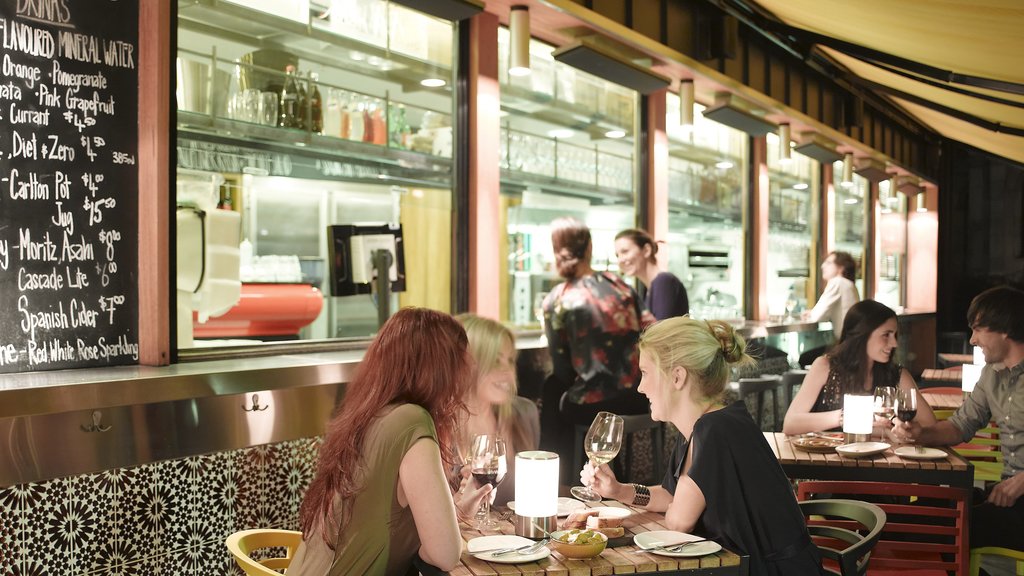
[536, 493]
[979, 356]
[970, 375]
[858, 416]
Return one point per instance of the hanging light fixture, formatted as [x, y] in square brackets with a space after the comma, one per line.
[519, 45]
[686, 102]
[847, 181]
[785, 155]
[922, 206]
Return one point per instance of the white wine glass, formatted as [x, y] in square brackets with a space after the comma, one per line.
[489, 465]
[885, 402]
[602, 443]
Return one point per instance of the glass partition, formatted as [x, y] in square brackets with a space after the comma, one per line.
[707, 188]
[892, 246]
[567, 148]
[793, 188]
[848, 214]
[329, 112]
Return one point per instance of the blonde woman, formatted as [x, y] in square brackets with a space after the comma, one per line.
[725, 480]
[494, 407]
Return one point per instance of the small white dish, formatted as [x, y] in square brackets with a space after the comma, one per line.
[500, 541]
[649, 540]
[612, 512]
[919, 453]
[862, 449]
[565, 506]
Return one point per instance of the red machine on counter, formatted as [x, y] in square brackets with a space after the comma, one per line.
[265, 310]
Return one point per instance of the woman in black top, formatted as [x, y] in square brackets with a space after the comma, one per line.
[725, 482]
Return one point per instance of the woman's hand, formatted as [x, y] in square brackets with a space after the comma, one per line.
[602, 480]
[470, 495]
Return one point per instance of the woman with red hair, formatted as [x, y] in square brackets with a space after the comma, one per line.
[380, 495]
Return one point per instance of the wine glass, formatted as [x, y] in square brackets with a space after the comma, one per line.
[906, 404]
[885, 402]
[602, 443]
[488, 464]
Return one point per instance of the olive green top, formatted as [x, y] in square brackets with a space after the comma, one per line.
[381, 537]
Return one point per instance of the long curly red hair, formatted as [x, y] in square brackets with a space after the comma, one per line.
[419, 357]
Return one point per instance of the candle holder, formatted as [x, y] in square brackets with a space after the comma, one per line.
[536, 476]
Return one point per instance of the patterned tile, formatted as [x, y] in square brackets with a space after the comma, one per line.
[253, 489]
[290, 470]
[172, 504]
[209, 559]
[50, 523]
[93, 497]
[216, 495]
[140, 506]
[9, 513]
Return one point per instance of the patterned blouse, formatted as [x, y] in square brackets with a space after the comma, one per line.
[592, 326]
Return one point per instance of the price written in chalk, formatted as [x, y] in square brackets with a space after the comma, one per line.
[110, 304]
[89, 143]
[92, 181]
[124, 158]
[104, 270]
[79, 122]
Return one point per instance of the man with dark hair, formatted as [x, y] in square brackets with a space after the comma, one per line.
[996, 318]
[839, 270]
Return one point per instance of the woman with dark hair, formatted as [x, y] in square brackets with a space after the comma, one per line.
[380, 494]
[859, 363]
[592, 321]
[637, 254]
[724, 479]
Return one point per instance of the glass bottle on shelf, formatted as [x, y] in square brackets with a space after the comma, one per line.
[316, 112]
[399, 127]
[380, 129]
[289, 100]
[356, 126]
[302, 113]
[332, 113]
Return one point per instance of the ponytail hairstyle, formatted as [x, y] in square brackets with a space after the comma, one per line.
[570, 240]
[705, 349]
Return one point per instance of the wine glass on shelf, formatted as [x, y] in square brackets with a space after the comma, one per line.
[488, 464]
[602, 443]
[906, 404]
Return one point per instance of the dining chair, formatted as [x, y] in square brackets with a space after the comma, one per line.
[926, 530]
[845, 532]
[1016, 555]
[242, 544]
[759, 388]
[790, 380]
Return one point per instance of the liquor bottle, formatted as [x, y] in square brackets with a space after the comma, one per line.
[289, 100]
[302, 110]
[316, 110]
[380, 127]
[357, 128]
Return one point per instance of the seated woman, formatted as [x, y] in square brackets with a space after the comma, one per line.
[637, 255]
[725, 482]
[860, 362]
[494, 407]
[380, 494]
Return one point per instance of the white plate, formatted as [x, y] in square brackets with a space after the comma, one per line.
[499, 541]
[862, 449]
[919, 453]
[565, 506]
[649, 540]
[612, 512]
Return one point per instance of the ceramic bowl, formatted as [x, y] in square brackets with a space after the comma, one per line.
[578, 551]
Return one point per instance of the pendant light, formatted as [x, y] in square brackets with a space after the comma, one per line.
[847, 181]
[519, 44]
[686, 102]
[922, 205]
[785, 156]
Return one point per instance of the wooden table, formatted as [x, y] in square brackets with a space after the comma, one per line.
[942, 401]
[949, 359]
[942, 376]
[620, 560]
[954, 470]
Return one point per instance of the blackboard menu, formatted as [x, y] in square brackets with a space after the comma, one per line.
[68, 184]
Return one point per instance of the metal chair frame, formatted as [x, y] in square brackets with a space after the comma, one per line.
[852, 524]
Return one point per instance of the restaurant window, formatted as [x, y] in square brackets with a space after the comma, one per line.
[848, 214]
[892, 246]
[294, 116]
[567, 149]
[706, 189]
[793, 185]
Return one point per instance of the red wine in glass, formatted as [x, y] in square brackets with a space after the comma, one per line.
[491, 477]
[906, 404]
[906, 415]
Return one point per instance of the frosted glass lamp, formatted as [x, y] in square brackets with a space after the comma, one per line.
[970, 374]
[536, 493]
[858, 416]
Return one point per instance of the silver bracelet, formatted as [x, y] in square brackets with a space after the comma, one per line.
[641, 495]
